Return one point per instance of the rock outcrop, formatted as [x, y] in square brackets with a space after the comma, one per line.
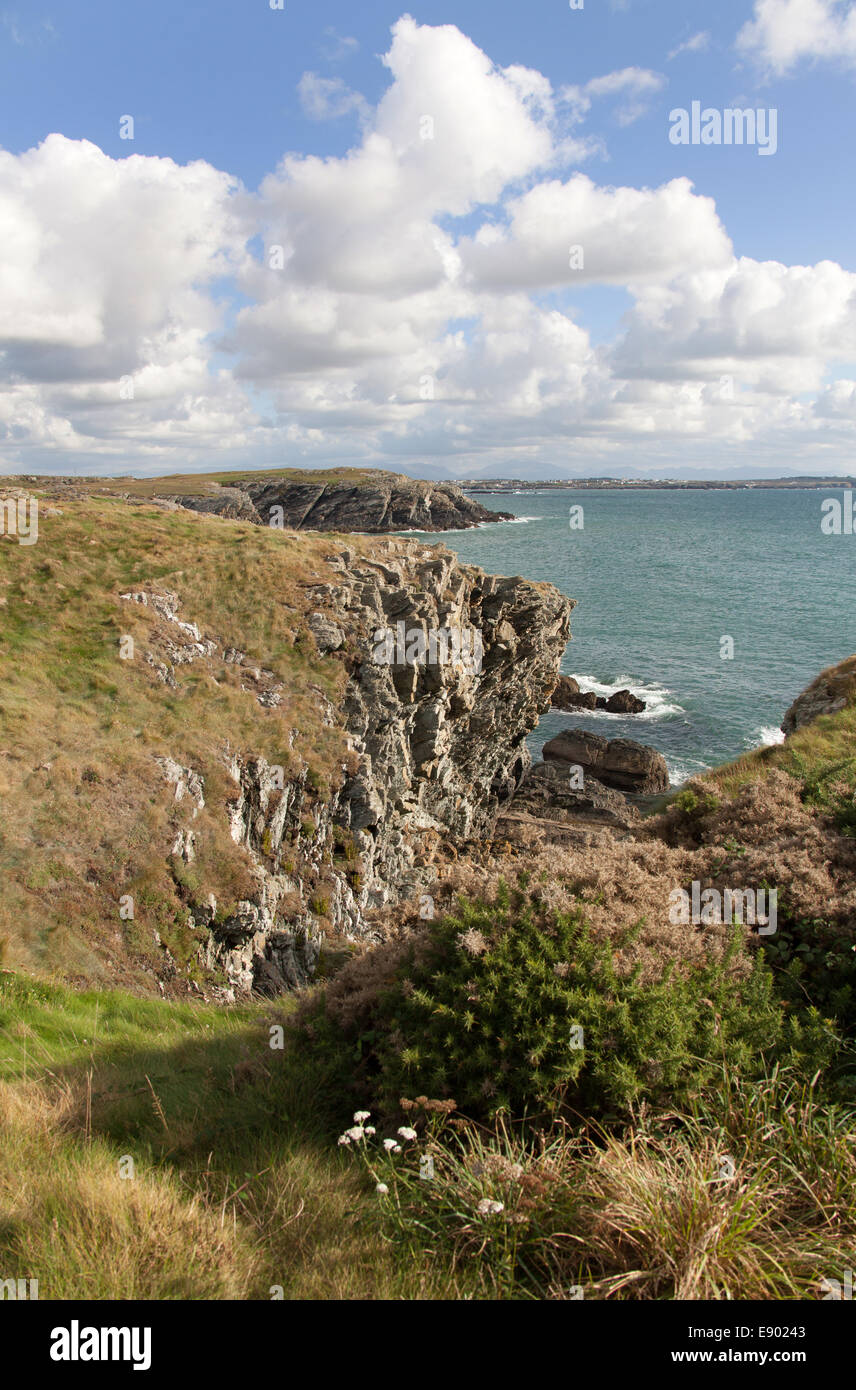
[549, 793]
[831, 691]
[620, 762]
[568, 696]
[622, 702]
[373, 502]
[441, 744]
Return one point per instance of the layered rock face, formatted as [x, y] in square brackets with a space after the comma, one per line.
[377, 504]
[619, 762]
[441, 742]
[831, 691]
[448, 670]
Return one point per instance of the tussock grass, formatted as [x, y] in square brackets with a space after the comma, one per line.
[751, 1194]
[240, 1188]
[827, 741]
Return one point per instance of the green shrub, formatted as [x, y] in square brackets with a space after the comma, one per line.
[508, 1006]
[698, 802]
[814, 965]
[832, 788]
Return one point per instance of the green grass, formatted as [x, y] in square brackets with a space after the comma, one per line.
[239, 1188]
[238, 1185]
[810, 753]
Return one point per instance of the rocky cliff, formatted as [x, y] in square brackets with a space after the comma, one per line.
[441, 743]
[372, 502]
[828, 693]
[447, 670]
[223, 747]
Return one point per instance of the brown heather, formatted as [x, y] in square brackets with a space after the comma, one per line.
[768, 834]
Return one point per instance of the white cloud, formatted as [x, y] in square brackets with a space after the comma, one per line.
[627, 236]
[390, 330]
[337, 46]
[696, 44]
[105, 280]
[782, 33]
[27, 33]
[327, 98]
[770, 325]
[636, 85]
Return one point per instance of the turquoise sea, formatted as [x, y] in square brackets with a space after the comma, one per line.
[660, 578]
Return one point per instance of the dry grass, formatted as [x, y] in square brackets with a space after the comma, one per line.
[238, 1186]
[750, 1197]
[88, 816]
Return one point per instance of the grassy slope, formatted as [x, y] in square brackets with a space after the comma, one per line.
[83, 801]
[237, 1186]
[821, 755]
[191, 484]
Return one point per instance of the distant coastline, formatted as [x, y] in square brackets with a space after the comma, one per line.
[506, 485]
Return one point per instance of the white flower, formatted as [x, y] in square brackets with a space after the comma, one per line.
[361, 1115]
[344, 1139]
[370, 1129]
[382, 1189]
[390, 1145]
[406, 1133]
[356, 1133]
[488, 1208]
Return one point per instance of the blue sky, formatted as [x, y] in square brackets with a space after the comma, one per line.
[691, 342]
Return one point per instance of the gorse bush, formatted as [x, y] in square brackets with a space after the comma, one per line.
[832, 788]
[510, 1006]
[814, 965]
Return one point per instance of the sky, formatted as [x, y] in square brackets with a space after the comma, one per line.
[462, 240]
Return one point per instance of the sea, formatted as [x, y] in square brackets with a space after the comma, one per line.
[661, 580]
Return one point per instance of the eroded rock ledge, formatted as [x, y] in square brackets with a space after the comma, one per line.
[828, 693]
